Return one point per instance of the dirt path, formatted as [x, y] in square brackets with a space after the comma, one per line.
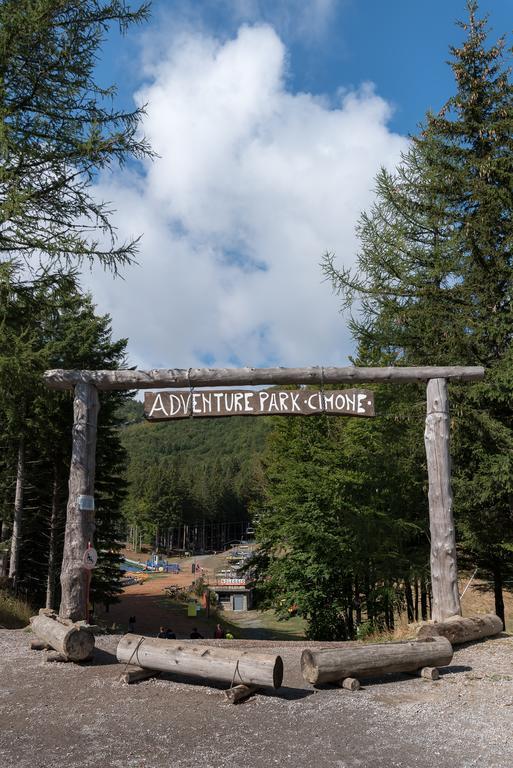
[152, 609]
[55, 715]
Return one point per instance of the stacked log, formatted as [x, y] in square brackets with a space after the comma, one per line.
[72, 642]
[330, 665]
[184, 657]
[459, 630]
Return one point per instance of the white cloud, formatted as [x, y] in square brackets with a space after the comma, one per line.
[253, 184]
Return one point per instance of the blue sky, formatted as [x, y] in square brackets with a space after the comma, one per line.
[402, 46]
[271, 120]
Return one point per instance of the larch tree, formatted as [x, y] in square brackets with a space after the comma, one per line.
[58, 129]
[434, 281]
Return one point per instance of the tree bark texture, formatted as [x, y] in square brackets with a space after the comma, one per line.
[497, 591]
[458, 630]
[75, 643]
[373, 660]
[444, 572]
[183, 657]
[79, 522]
[18, 514]
[52, 543]
[217, 377]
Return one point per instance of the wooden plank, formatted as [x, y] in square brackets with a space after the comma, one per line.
[219, 377]
[80, 511]
[168, 405]
[444, 572]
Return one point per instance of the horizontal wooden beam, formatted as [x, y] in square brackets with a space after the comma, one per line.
[222, 377]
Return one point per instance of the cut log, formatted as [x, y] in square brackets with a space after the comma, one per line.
[134, 674]
[429, 673]
[56, 656]
[39, 645]
[75, 643]
[374, 660]
[239, 692]
[206, 377]
[184, 657]
[444, 572]
[78, 535]
[350, 684]
[462, 630]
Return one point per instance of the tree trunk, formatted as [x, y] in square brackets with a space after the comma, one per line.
[73, 642]
[423, 600]
[4, 535]
[184, 657]
[52, 544]
[416, 599]
[80, 511]
[373, 660]
[444, 574]
[18, 515]
[458, 630]
[497, 590]
[409, 601]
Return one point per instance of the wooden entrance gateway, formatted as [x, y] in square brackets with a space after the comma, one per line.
[80, 510]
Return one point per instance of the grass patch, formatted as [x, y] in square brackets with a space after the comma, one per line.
[14, 612]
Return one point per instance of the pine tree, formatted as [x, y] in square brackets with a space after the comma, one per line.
[434, 279]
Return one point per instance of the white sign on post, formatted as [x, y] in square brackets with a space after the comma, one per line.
[86, 503]
[90, 558]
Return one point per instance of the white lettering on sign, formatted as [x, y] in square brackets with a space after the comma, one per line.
[176, 405]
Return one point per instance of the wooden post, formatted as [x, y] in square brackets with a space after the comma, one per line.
[444, 572]
[80, 510]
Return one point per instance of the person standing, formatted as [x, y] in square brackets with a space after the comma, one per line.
[219, 633]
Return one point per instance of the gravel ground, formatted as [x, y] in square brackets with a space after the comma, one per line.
[70, 716]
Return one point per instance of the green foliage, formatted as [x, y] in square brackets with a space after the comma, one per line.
[192, 469]
[434, 277]
[342, 527]
[59, 328]
[58, 129]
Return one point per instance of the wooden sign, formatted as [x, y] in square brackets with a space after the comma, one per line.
[177, 404]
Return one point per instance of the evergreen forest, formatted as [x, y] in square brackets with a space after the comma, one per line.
[339, 505]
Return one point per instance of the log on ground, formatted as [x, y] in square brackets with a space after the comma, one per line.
[329, 665]
[183, 657]
[463, 630]
[76, 643]
[240, 692]
[134, 674]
